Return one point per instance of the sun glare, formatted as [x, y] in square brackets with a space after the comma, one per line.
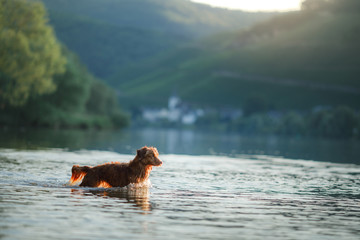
[254, 5]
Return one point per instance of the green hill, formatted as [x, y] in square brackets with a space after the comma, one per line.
[180, 17]
[110, 34]
[296, 60]
[105, 47]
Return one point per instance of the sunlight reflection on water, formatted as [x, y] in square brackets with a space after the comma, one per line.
[191, 197]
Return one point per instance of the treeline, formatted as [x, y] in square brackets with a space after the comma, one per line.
[80, 101]
[42, 83]
[340, 122]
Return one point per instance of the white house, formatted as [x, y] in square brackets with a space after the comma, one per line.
[176, 112]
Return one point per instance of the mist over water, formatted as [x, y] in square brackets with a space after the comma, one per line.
[192, 196]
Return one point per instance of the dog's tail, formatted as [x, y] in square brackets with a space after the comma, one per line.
[78, 173]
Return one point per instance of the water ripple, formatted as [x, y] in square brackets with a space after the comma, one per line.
[192, 197]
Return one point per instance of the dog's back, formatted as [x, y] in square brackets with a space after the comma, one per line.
[106, 175]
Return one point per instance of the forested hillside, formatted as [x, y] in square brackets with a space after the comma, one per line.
[110, 34]
[42, 83]
[295, 73]
[294, 61]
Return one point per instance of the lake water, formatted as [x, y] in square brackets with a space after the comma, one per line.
[211, 186]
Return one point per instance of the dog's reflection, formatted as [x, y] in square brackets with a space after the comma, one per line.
[136, 196]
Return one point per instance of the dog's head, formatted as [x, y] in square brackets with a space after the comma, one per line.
[148, 156]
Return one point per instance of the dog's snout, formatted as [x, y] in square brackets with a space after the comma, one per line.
[158, 162]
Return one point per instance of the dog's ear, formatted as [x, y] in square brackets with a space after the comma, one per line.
[141, 152]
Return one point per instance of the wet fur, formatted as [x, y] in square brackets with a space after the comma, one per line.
[117, 174]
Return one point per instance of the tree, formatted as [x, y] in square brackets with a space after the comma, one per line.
[340, 122]
[344, 122]
[29, 53]
[292, 124]
[102, 99]
[255, 104]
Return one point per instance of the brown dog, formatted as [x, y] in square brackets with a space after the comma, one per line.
[118, 174]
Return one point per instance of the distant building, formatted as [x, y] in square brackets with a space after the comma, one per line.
[153, 115]
[174, 102]
[177, 112]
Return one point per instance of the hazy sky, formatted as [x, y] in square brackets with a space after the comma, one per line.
[255, 5]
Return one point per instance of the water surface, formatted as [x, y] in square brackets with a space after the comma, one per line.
[191, 197]
[188, 142]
